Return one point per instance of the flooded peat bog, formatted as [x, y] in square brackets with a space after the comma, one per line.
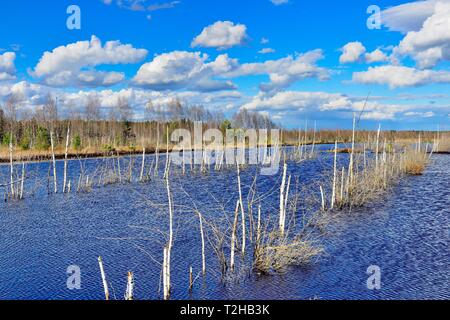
[404, 234]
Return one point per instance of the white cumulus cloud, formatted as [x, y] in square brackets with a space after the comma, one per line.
[185, 70]
[293, 102]
[408, 16]
[352, 52]
[431, 44]
[376, 56]
[285, 71]
[74, 65]
[221, 35]
[400, 76]
[7, 66]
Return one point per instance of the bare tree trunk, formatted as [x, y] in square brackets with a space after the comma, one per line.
[55, 183]
[105, 283]
[322, 195]
[167, 168]
[11, 165]
[22, 181]
[65, 159]
[130, 286]
[282, 203]
[166, 276]
[333, 196]
[242, 209]
[258, 227]
[157, 151]
[168, 249]
[377, 147]
[203, 243]
[191, 279]
[352, 155]
[233, 235]
[142, 166]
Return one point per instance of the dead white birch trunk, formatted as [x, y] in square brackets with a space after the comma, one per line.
[65, 160]
[419, 143]
[333, 194]
[241, 203]
[233, 236]
[157, 151]
[105, 283]
[203, 243]
[286, 198]
[170, 244]
[166, 169]
[22, 181]
[130, 286]
[141, 178]
[342, 185]
[55, 183]
[377, 148]
[191, 279]
[258, 227]
[282, 190]
[352, 155]
[119, 172]
[11, 166]
[166, 270]
[322, 195]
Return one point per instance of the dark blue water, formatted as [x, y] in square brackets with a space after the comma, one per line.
[405, 233]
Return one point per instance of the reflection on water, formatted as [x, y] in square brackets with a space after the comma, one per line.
[406, 234]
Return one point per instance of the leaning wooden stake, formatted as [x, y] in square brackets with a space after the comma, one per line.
[130, 286]
[65, 160]
[55, 183]
[105, 283]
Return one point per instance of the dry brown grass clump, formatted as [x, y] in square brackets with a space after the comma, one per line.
[415, 162]
[276, 253]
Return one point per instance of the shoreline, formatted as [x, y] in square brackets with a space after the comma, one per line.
[60, 155]
[47, 156]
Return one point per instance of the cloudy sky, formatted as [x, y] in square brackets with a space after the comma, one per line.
[294, 60]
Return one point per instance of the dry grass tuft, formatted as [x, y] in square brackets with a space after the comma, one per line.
[277, 253]
[415, 162]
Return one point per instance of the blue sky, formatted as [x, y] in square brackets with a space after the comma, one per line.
[294, 60]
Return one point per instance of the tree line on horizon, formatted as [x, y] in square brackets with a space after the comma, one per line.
[93, 127]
